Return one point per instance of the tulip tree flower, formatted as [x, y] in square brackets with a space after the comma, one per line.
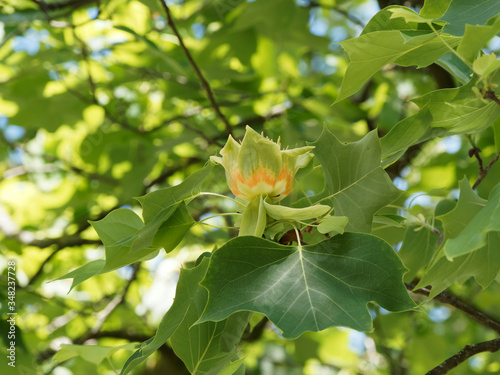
[259, 172]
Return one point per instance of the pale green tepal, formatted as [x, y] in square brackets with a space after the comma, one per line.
[257, 170]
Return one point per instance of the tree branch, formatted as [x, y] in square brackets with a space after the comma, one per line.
[467, 352]
[483, 171]
[104, 314]
[450, 299]
[200, 76]
[357, 21]
[61, 243]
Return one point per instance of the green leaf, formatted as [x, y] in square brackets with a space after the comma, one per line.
[408, 132]
[482, 264]
[468, 206]
[408, 15]
[333, 223]
[117, 231]
[475, 38]
[158, 201]
[445, 272]
[208, 347]
[253, 219]
[485, 65]
[459, 110]
[95, 354]
[84, 273]
[417, 250]
[158, 206]
[354, 178]
[370, 52]
[434, 8]
[145, 236]
[172, 231]
[306, 288]
[201, 347]
[456, 67]
[279, 212]
[118, 225]
[462, 12]
[474, 235]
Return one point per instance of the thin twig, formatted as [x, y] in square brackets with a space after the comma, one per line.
[104, 314]
[350, 17]
[61, 243]
[483, 171]
[450, 299]
[200, 76]
[467, 352]
[488, 94]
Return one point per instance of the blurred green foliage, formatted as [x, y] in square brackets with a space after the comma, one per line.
[99, 104]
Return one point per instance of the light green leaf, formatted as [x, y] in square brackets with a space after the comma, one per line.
[417, 250]
[408, 15]
[468, 206]
[253, 219]
[475, 38]
[355, 181]
[485, 65]
[95, 354]
[279, 212]
[444, 272]
[333, 223]
[434, 8]
[370, 52]
[306, 288]
[459, 110]
[389, 220]
[384, 20]
[474, 235]
[84, 273]
[462, 12]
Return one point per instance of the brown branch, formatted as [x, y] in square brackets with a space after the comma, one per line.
[450, 299]
[345, 13]
[467, 352]
[475, 151]
[209, 140]
[61, 243]
[104, 314]
[200, 76]
[488, 94]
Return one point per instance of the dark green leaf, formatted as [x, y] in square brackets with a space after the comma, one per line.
[356, 183]
[306, 288]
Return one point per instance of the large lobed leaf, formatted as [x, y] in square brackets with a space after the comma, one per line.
[306, 288]
[355, 181]
[395, 34]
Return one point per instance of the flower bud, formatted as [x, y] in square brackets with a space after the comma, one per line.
[258, 166]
